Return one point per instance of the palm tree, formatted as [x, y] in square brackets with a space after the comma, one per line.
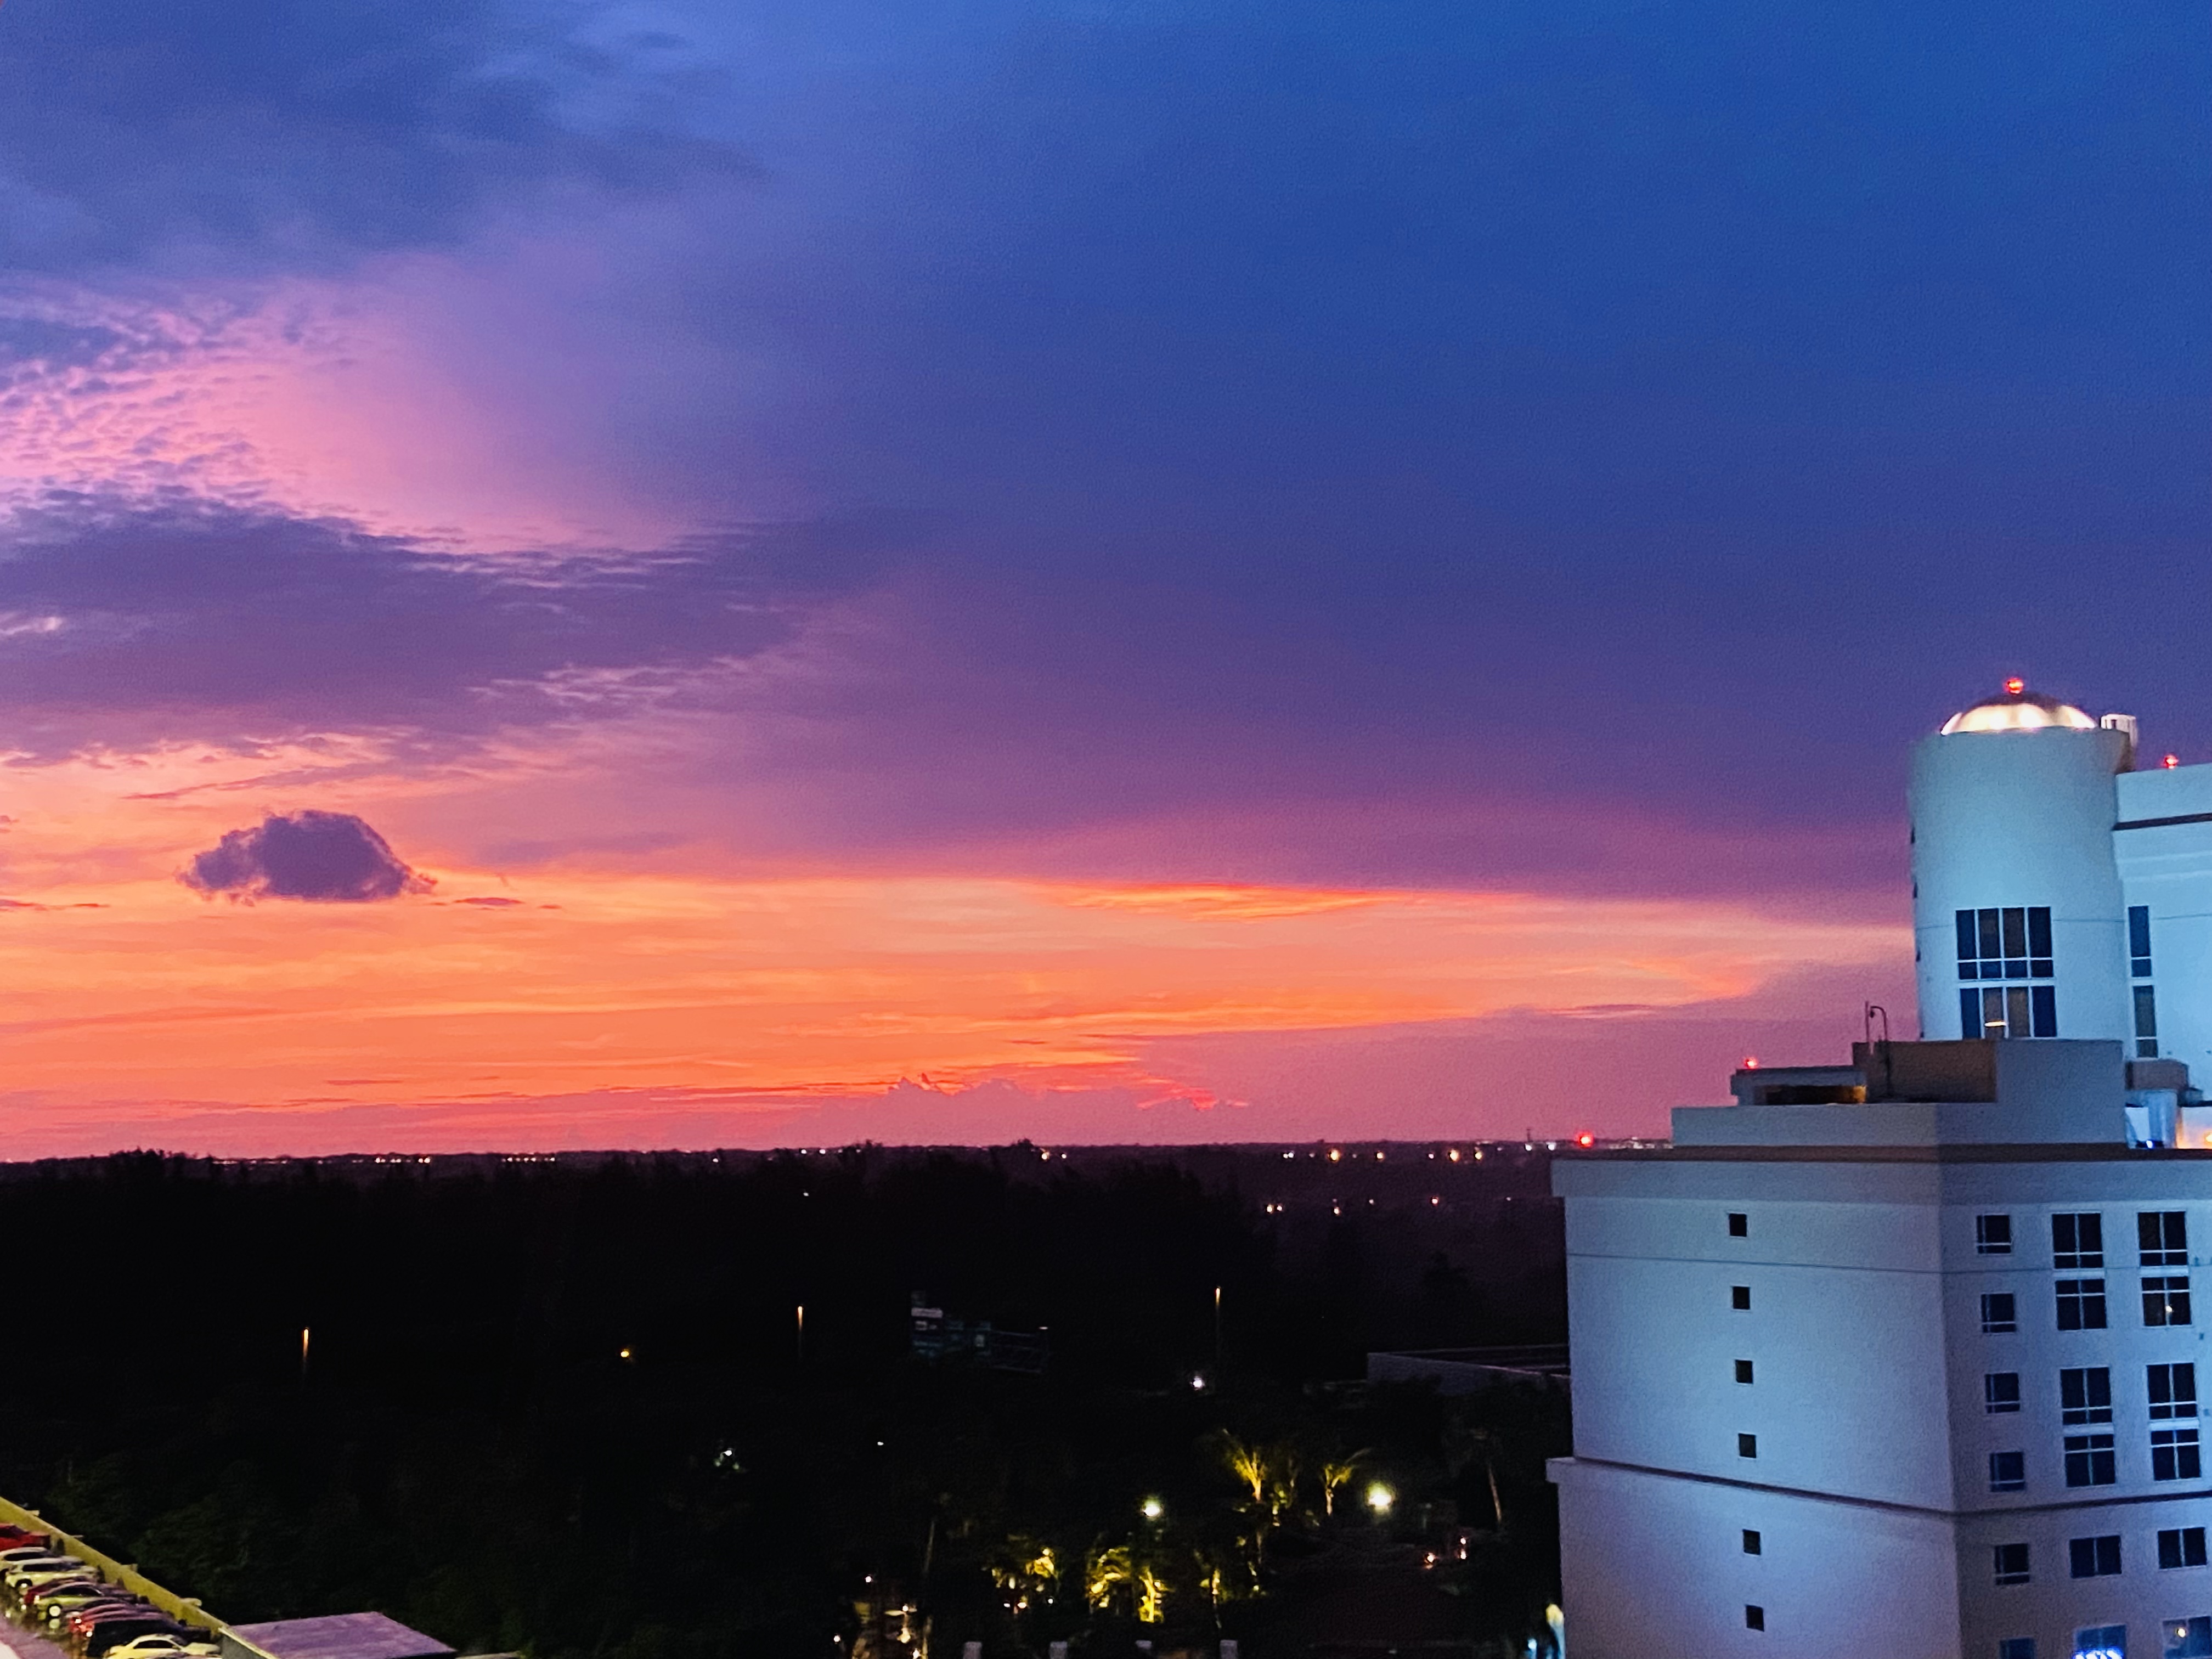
[1026, 1570]
[1248, 1464]
[1111, 1571]
[1336, 1473]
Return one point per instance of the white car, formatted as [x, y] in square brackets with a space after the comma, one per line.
[161, 1647]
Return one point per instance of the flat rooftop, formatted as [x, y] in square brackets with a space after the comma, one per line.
[341, 1635]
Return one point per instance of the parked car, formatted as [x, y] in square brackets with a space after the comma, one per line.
[12, 1534]
[53, 1608]
[21, 1578]
[34, 1595]
[78, 1620]
[104, 1639]
[162, 1647]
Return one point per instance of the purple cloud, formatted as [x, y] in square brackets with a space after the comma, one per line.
[323, 858]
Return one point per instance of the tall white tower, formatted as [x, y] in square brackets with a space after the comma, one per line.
[2020, 927]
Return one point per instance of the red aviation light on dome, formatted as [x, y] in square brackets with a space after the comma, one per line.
[2014, 687]
[1751, 1062]
[1586, 1139]
[2170, 762]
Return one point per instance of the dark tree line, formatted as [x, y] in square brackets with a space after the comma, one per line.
[568, 1408]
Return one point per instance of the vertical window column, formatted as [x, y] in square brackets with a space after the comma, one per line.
[2009, 946]
[2146, 995]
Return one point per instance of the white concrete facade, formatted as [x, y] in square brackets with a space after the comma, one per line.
[1842, 1251]
[2090, 879]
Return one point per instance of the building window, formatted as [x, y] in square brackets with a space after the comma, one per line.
[2181, 1546]
[2163, 1238]
[2094, 1557]
[2174, 1455]
[2089, 1461]
[1743, 1371]
[1746, 1445]
[2081, 1304]
[1750, 1541]
[2139, 941]
[2000, 1392]
[2009, 1011]
[2012, 1564]
[2085, 1396]
[2145, 1022]
[1739, 1299]
[2016, 1647]
[1997, 1314]
[2077, 1240]
[1739, 1225]
[2008, 1472]
[2101, 1642]
[2188, 1639]
[2165, 1300]
[1754, 1618]
[2009, 943]
[1993, 1234]
[2172, 1391]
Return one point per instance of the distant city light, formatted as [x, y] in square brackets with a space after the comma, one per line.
[1333, 1155]
[1453, 1154]
[1380, 1498]
[1198, 1381]
[1152, 1509]
[624, 1354]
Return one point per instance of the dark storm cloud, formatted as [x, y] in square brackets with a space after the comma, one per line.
[1619, 405]
[323, 858]
[302, 129]
[130, 623]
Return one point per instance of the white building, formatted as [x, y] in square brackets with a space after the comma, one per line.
[2056, 891]
[1901, 1358]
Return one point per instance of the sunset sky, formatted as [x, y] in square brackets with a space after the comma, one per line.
[758, 572]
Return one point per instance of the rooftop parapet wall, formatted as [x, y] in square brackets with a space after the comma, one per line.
[1978, 1092]
[184, 1610]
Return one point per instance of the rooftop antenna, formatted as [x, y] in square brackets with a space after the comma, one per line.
[1889, 1068]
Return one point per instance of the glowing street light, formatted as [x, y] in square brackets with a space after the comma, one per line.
[1380, 1498]
[1152, 1509]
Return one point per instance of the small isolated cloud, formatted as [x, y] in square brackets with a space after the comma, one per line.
[323, 858]
[492, 903]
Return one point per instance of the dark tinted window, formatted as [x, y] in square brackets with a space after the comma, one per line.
[2094, 1557]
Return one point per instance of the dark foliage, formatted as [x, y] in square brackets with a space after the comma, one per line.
[566, 1408]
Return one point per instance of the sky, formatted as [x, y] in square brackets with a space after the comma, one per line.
[754, 572]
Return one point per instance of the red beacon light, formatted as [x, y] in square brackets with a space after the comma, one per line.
[2014, 686]
[1585, 1139]
[2170, 762]
[1751, 1062]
